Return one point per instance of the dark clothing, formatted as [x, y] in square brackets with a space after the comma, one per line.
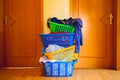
[77, 23]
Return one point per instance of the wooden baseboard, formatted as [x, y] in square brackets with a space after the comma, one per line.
[20, 67]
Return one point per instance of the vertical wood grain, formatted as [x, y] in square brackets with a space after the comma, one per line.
[1, 33]
[118, 34]
[74, 8]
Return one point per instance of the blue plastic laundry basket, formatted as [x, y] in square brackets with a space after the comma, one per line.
[64, 40]
[59, 69]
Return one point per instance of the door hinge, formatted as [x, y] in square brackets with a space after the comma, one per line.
[111, 18]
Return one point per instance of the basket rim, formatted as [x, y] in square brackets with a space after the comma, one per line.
[59, 61]
[60, 24]
[58, 34]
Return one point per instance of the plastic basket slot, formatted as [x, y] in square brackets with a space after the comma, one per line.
[48, 68]
[70, 68]
[56, 27]
[55, 69]
[62, 69]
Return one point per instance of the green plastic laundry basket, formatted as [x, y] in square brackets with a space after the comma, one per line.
[56, 27]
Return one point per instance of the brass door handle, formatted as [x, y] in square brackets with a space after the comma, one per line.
[111, 18]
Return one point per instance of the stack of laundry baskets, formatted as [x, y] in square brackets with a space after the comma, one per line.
[59, 50]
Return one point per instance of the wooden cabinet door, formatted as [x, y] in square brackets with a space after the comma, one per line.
[97, 49]
[24, 23]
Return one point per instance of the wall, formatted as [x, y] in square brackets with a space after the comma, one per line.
[118, 34]
[55, 8]
[1, 33]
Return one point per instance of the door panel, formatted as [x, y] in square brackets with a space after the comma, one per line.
[96, 51]
[94, 27]
[21, 32]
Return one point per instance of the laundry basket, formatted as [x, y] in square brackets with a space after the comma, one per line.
[64, 40]
[59, 69]
[67, 54]
[56, 27]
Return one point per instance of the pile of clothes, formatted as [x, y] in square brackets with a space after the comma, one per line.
[77, 23]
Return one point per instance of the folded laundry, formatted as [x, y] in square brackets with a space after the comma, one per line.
[43, 59]
[53, 47]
